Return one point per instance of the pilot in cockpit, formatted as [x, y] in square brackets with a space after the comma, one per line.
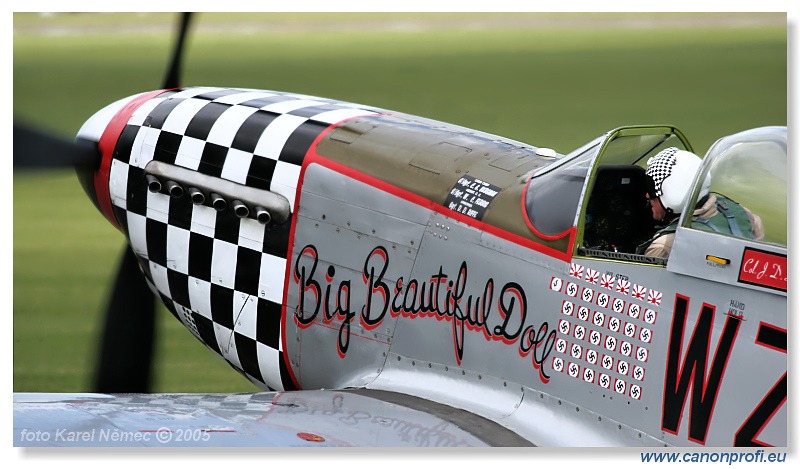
[673, 171]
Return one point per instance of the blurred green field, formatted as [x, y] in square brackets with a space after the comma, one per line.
[548, 80]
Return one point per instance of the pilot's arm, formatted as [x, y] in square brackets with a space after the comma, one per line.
[661, 246]
[756, 225]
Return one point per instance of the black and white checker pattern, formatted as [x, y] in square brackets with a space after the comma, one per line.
[659, 167]
[220, 275]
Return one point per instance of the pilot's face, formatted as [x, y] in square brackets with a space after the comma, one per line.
[657, 208]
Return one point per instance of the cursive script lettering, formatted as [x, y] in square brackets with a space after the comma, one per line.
[440, 296]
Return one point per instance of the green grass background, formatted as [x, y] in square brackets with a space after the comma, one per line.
[550, 80]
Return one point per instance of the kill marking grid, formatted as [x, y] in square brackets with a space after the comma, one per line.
[605, 329]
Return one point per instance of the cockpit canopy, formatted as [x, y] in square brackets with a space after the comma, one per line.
[612, 167]
[598, 191]
[749, 168]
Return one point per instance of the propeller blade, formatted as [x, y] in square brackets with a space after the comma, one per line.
[126, 350]
[128, 337]
[37, 149]
[172, 79]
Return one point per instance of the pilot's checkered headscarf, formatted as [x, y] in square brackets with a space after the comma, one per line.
[659, 167]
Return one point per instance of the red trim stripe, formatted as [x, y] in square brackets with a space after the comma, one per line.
[313, 157]
[108, 141]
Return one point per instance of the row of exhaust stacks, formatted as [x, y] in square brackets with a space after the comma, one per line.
[265, 206]
[217, 201]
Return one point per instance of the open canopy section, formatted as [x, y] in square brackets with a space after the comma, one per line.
[600, 189]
